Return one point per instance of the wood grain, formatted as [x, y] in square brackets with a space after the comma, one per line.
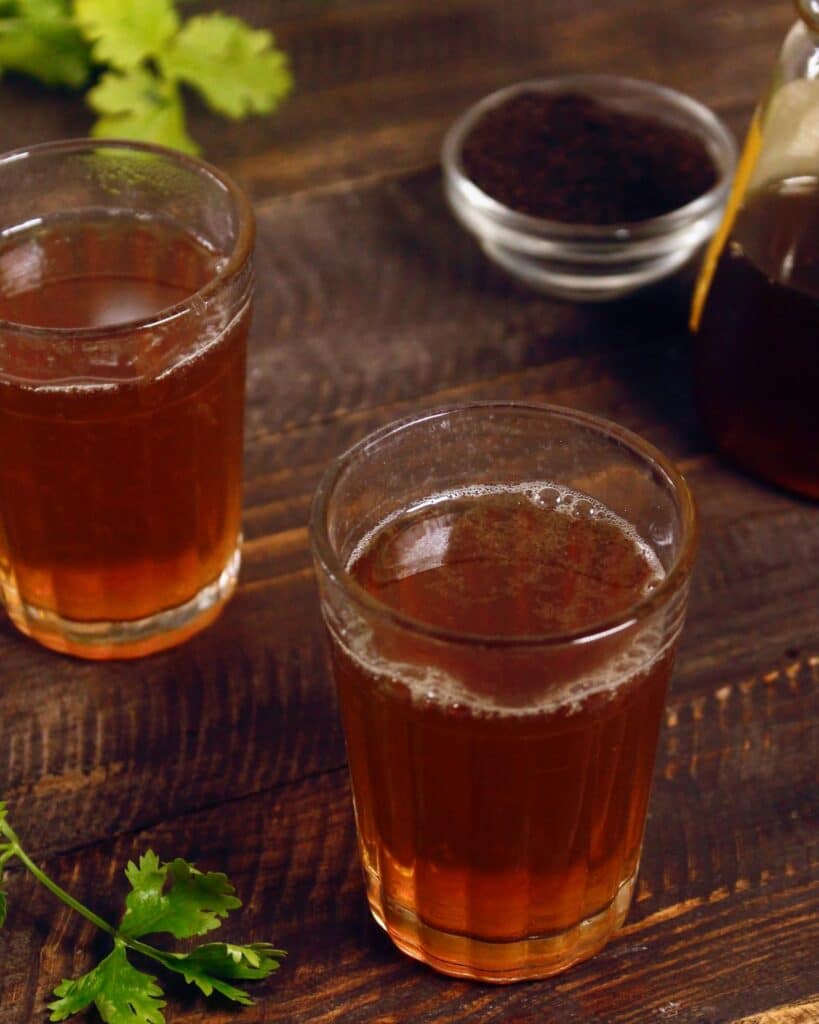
[378, 81]
[725, 915]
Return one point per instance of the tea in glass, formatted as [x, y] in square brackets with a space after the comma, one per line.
[504, 587]
[124, 312]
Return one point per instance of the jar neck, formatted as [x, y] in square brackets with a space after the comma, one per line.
[808, 11]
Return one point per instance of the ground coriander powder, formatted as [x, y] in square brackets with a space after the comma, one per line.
[567, 157]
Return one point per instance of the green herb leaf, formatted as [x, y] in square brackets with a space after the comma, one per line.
[4, 907]
[39, 38]
[174, 898]
[121, 993]
[139, 105]
[236, 68]
[126, 32]
[208, 966]
[144, 52]
[77, 995]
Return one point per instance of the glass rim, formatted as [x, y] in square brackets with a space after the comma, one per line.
[672, 581]
[234, 261]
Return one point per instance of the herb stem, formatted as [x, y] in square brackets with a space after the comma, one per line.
[16, 850]
[117, 988]
[144, 948]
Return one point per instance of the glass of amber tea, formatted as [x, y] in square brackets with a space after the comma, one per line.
[125, 293]
[504, 586]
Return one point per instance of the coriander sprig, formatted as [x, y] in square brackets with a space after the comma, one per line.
[139, 54]
[172, 898]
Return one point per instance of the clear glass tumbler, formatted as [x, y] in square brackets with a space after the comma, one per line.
[125, 293]
[504, 586]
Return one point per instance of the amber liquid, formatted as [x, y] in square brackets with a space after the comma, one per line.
[501, 793]
[119, 485]
[757, 347]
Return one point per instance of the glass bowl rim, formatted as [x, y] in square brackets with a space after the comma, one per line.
[673, 581]
[724, 154]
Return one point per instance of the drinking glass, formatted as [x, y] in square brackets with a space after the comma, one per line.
[125, 292]
[501, 773]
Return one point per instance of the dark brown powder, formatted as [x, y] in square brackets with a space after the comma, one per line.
[570, 158]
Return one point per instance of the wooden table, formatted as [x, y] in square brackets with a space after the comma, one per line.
[373, 303]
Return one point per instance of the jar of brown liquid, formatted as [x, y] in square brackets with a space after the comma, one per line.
[755, 315]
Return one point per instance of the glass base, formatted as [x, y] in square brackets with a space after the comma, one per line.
[102, 640]
[463, 956]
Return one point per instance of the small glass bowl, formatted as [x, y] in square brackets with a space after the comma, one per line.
[587, 262]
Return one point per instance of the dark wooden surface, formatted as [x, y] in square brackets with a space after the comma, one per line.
[373, 303]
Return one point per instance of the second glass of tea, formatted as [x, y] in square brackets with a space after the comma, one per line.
[125, 293]
[504, 587]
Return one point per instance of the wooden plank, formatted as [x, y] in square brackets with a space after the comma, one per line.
[378, 82]
[804, 1012]
[701, 942]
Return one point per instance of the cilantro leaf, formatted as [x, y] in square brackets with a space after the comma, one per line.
[77, 995]
[41, 8]
[121, 993]
[235, 68]
[208, 966]
[174, 898]
[126, 32]
[40, 39]
[144, 53]
[136, 104]
[227, 960]
[32, 9]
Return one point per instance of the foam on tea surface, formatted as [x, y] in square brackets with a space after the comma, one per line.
[529, 562]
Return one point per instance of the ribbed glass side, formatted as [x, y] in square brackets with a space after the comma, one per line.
[515, 838]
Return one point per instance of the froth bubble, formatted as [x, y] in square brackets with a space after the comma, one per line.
[545, 497]
[584, 507]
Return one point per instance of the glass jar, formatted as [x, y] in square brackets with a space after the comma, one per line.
[755, 314]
